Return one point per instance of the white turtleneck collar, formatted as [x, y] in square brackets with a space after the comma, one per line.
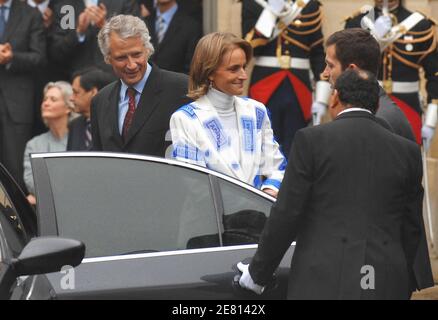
[223, 103]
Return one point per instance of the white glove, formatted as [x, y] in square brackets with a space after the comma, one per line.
[246, 281]
[382, 26]
[276, 6]
[427, 135]
[318, 111]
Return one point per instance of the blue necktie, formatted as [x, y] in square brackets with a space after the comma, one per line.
[2, 21]
[161, 29]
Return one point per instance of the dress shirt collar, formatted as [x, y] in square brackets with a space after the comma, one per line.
[353, 109]
[41, 7]
[7, 4]
[138, 87]
[168, 15]
[88, 3]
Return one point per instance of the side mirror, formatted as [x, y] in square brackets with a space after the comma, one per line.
[48, 254]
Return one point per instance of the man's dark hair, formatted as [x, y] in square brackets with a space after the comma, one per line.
[93, 77]
[358, 89]
[356, 46]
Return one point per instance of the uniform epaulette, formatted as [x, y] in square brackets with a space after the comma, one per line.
[432, 20]
[364, 9]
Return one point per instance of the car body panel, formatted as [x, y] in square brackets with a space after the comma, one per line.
[187, 273]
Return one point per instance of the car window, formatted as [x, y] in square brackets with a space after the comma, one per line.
[11, 226]
[245, 213]
[120, 206]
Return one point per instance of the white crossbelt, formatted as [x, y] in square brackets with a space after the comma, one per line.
[272, 62]
[404, 87]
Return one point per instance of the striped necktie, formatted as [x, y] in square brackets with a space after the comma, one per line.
[2, 21]
[161, 28]
[88, 137]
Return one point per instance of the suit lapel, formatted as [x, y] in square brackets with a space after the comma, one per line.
[113, 114]
[149, 101]
[151, 27]
[173, 29]
[13, 20]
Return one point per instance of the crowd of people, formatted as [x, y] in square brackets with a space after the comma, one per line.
[120, 75]
[44, 41]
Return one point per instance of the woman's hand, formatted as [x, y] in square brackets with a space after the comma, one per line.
[271, 192]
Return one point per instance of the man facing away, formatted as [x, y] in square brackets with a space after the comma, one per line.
[352, 199]
[132, 114]
[358, 49]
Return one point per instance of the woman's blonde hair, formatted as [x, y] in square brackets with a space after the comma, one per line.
[208, 56]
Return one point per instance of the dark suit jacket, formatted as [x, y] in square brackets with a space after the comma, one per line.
[77, 135]
[25, 32]
[176, 50]
[64, 46]
[163, 94]
[351, 197]
[191, 7]
[392, 114]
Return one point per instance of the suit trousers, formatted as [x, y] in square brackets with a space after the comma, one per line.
[13, 139]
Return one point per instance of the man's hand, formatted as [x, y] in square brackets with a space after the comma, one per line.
[144, 11]
[382, 26]
[246, 281]
[6, 53]
[97, 15]
[83, 22]
[47, 18]
[318, 111]
[427, 135]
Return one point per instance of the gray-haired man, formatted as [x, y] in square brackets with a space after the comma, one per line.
[132, 115]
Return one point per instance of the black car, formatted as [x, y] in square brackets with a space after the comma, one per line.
[153, 228]
[22, 254]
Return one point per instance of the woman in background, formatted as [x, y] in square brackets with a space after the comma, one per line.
[56, 111]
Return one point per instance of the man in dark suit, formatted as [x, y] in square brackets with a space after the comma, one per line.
[357, 48]
[86, 84]
[174, 36]
[77, 48]
[191, 7]
[352, 200]
[132, 115]
[22, 51]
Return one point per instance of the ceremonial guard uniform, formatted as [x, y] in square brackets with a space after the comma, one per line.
[409, 46]
[288, 43]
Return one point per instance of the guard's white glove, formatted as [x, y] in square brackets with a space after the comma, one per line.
[276, 6]
[382, 26]
[318, 111]
[246, 281]
[427, 135]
